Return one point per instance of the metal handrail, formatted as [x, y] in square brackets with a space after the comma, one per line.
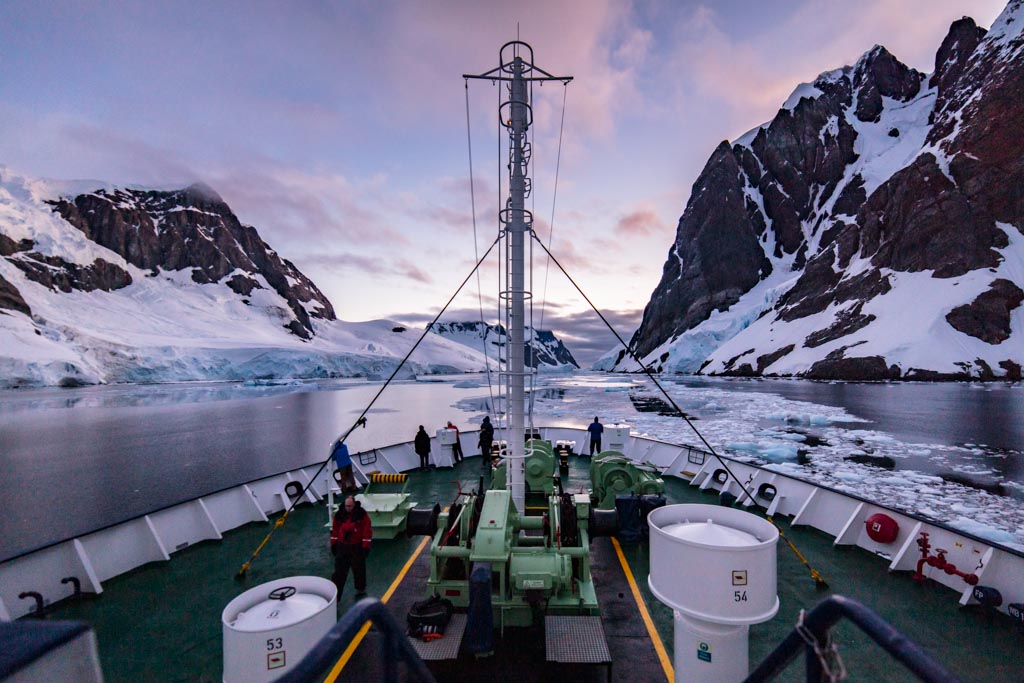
[814, 630]
[394, 647]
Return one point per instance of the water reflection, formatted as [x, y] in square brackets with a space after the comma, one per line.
[76, 459]
[99, 455]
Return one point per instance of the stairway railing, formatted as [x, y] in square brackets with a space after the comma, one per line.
[394, 646]
[812, 634]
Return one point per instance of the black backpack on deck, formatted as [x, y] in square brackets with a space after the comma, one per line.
[435, 612]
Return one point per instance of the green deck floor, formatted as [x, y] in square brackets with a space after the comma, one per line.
[161, 622]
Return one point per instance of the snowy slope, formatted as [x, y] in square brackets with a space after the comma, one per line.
[165, 326]
[872, 230]
[543, 349]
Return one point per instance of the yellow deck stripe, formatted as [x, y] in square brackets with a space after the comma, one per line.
[666, 664]
[350, 650]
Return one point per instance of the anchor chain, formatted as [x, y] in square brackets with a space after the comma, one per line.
[832, 667]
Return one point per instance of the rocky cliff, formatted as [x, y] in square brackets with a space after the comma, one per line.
[193, 230]
[542, 347]
[872, 229]
[101, 284]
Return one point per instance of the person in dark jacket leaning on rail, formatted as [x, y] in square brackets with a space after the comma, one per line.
[596, 429]
[486, 440]
[351, 534]
[422, 446]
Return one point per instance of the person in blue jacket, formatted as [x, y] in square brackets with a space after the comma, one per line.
[596, 429]
[343, 463]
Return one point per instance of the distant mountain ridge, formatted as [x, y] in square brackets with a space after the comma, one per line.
[101, 284]
[542, 347]
[874, 229]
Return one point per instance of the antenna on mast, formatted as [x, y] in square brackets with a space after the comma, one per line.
[516, 69]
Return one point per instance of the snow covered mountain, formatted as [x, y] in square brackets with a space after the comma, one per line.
[543, 349]
[873, 229]
[102, 284]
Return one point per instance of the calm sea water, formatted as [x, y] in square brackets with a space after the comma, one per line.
[77, 459]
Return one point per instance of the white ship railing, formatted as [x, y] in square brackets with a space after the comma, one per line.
[105, 553]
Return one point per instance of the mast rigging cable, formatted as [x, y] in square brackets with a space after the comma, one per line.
[818, 578]
[361, 420]
[476, 255]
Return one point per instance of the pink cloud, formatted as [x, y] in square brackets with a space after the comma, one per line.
[638, 223]
[297, 205]
[340, 263]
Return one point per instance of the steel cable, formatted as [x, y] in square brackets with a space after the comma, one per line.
[647, 371]
[361, 420]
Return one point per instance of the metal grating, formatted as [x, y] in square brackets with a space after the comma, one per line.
[576, 640]
[443, 648]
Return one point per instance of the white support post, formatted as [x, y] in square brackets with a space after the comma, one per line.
[209, 518]
[968, 593]
[749, 486]
[911, 542]
[260, 514]
[156, 537]
[776, 502]
[90, 573]
[671, 468]
[702, 472]
[850, 528]
[804, 509]
[307, 484]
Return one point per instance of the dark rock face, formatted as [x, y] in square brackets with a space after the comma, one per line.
[193, 228]
[866, 368]
[11, 299]
[240, 284]
[1012, 369]
[919, 220]
[794, 165]
[9, 247]
[988, 317]
[795, 192]
[732, 361]
[715, 259]
[847, 322]
[769, 358]
[54, 272]
[548, 350]
[951, 58]
[880, 74]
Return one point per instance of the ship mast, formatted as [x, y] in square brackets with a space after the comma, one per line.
[516, 70]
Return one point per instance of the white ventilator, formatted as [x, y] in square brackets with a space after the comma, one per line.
[616, 436]
[715, 567]
[445, 455]
[270, 628]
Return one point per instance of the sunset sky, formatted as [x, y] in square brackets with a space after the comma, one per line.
[338, 129]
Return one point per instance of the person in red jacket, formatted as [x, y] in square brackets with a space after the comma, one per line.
[457, 448]
[351, 534]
